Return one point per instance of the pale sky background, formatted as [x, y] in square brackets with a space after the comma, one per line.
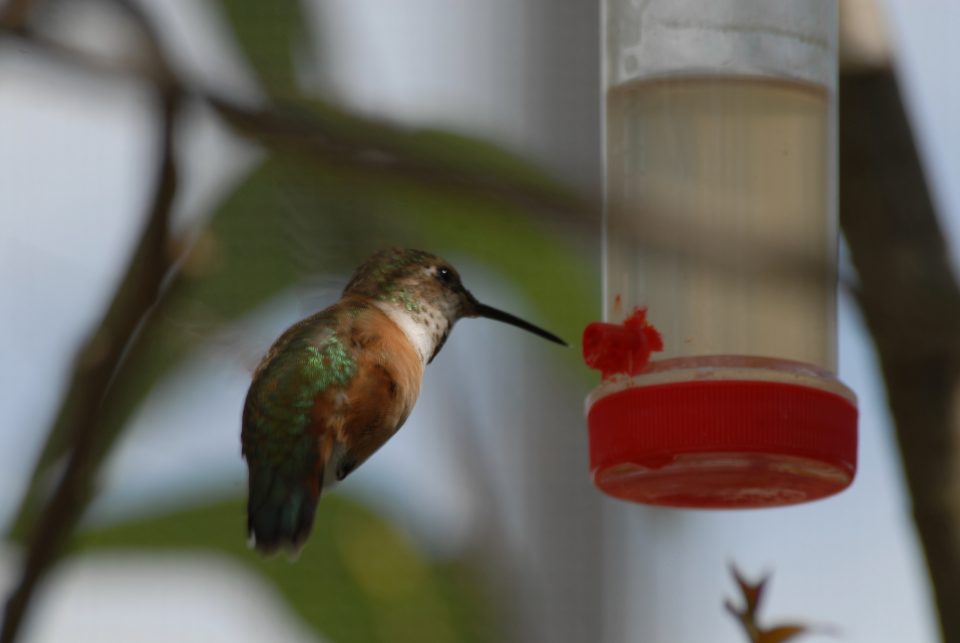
[70, 177]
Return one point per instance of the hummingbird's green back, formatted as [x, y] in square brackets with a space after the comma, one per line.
[279, 440]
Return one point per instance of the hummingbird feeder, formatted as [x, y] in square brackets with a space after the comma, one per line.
[720, 247]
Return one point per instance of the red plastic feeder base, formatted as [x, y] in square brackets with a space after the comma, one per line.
[722, 444]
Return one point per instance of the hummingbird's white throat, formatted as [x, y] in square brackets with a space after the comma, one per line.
[426, 327]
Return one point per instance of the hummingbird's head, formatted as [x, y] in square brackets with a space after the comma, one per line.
[424, 295]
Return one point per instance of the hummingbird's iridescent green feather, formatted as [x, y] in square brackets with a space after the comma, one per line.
[280, 438]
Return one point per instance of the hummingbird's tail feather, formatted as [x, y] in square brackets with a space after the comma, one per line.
[280, 511]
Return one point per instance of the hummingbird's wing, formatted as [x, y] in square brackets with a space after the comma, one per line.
[280, 441]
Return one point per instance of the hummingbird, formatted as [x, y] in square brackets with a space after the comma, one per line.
[335, 386]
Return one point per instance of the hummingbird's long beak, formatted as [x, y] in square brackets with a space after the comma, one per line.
[482, 310]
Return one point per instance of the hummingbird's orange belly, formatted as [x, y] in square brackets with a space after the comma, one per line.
[354, 420]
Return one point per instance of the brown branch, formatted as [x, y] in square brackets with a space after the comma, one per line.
[93, 373]
[911, 304]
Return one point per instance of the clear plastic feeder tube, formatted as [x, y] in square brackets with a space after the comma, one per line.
[721, 193]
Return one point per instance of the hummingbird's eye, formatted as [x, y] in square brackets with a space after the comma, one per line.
[446, 275]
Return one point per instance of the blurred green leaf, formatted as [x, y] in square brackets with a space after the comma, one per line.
[270, 35]
[359, 580]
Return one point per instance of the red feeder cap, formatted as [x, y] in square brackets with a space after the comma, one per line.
[722, 443]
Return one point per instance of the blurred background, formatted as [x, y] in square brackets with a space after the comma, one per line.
[181, 180]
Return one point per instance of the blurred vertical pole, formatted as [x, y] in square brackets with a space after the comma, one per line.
[561, 52]
[548, 571]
